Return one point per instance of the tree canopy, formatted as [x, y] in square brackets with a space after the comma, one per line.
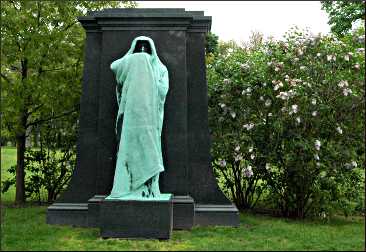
[343, 14]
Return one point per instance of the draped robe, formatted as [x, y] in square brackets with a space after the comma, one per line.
[142, 85]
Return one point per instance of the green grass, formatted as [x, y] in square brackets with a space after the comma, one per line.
[8, 158]
[26, 229]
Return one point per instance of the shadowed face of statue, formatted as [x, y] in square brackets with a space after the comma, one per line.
[142, 46]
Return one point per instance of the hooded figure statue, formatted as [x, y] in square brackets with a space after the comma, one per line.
[142, 85]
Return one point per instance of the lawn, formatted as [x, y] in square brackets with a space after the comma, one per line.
[8, 158]
[26, 229]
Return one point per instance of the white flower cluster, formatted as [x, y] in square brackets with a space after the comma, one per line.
[248, 172]
[278, 66]
[331, 57]
[339, 130]
[361, 38]
[346, 57]
[248, 126]
[267, 103]
[247, 91]
[278, 84]
[313, 102]
[317, 145]
[292, 82]
[343, 84]
[227, 81]
[222, 163]
[286, 95]
[294, 109]
[300, 52]
[360, 50]
[268, 166]
[244, 66]
[222, 105]
[316, 155]
[238, 157]
[351, 165]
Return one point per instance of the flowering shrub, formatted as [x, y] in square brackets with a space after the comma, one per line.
[287, 121]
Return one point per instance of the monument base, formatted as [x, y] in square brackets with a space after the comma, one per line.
[183, 212]
[216, 215]
[149, 219]
[75, 214]
[94, 210]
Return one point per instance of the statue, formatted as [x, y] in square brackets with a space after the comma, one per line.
[142, 85]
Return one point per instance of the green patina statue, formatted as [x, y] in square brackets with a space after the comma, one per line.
[142, 85]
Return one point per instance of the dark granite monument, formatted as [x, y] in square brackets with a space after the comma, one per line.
[179, 37]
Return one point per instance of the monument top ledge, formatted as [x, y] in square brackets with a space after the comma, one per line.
[146, 17]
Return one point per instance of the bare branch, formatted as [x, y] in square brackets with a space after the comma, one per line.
[70, 25]
[55, 69]
[38, 13]
[34, 109]
[51, 118]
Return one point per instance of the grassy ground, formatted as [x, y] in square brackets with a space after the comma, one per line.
[26, 229]
[8, 158]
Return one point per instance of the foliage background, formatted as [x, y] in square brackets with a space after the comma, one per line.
[287, 121]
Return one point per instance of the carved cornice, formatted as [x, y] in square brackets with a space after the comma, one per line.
[146, 19]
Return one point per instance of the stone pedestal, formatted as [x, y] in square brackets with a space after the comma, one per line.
[75, 214]
[94, 210]
[183, 213]
[216, 215]
[136, 219]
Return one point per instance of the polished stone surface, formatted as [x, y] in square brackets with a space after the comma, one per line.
[136, 219]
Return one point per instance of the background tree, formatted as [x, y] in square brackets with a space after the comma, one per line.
[41, 71]
[342, 14]
[212, 42]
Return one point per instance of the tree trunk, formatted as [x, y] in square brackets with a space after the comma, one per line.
[20, 139]
[20, 185]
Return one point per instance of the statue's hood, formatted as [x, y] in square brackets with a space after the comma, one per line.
[143, 38]
[158, 67]
[156, 63]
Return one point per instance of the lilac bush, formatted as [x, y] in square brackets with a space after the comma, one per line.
[287, 122]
